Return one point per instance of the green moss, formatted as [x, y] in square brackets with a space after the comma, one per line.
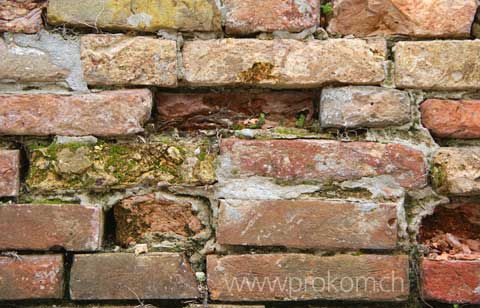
[119, 165]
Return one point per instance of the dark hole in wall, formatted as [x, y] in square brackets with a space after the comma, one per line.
[109, 229]
[452, 232]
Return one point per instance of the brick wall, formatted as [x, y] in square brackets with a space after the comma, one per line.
[239, 153]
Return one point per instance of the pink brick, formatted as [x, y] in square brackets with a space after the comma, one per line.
[31, 277]
[322, 161]
[307, 277]
[126, 276]
[307, 224]
[107, 113]
[249, 16]
[451, 281]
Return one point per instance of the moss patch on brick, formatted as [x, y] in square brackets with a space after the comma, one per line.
[115, 166]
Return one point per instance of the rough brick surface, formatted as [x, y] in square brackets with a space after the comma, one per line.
[31, 277]
[44, 58]
[451, 119]
[364, 107]
[21, 16]
[120, 59]
[416, 18]
[74, 227]
[307, 277]
[108, 113]
[436, 65]
[246, 16]
[105, 166]
[455, 171]
[308, 224]
[451, 281]
[140, 217]
[320, 161]
[10, 171]
[283, 63]
[233, 109]
[150, 16]
[116, 275]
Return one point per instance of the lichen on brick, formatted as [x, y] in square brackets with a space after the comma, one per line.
[258, 72]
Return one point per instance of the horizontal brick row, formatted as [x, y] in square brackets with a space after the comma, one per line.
[242, 17]
[124, 112]
[307, 224]
[98, 276]
[320, 161]
[282, 63]
[73, 227]
[275, 277]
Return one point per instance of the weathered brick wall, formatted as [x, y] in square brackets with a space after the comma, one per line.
[239, 153]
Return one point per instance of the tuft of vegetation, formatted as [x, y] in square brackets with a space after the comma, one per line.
[327, 8]
[300, 122]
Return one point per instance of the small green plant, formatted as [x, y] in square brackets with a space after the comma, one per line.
[456, 306]
[327, 8]
[261, 121]
[300, 122]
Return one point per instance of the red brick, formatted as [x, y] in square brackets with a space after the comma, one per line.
[21, 16]
[308, 224]
[126, 276]
[451, 119]
[322, 161]
[211, 110]
[44, 226]
[31, 277]
[108, 113]
[307, 277]
[10, 171]
[247, 16]
[451, 281]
